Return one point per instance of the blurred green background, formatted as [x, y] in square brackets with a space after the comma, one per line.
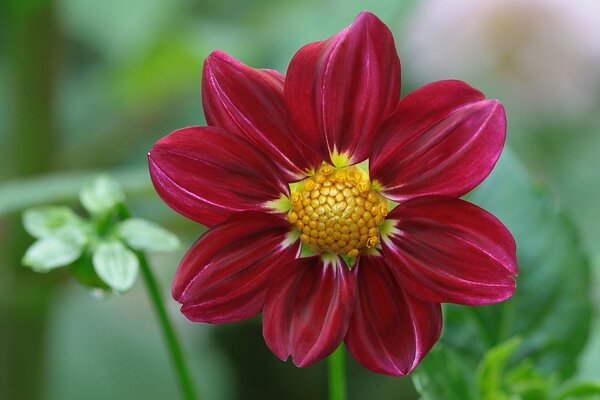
[89, 86]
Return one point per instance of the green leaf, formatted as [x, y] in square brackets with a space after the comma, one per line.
[528, 383]
[144, 235]
[61, 248]
[582, 390]
[491, 370]
[101, 195]
[116, 265]
[44, 221]
[551, 308]
[444, 375]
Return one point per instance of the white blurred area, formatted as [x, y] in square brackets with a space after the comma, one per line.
[540, 56]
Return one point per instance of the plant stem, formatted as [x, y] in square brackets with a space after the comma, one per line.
[183, 373]
[169, 333]
[337, 374]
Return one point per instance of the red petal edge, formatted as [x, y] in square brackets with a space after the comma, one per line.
[443, 139]
[208, 173]
[390, 331]
[223, 277]
[249, 102]
[308, 308]
[449, 250]
[338, 91]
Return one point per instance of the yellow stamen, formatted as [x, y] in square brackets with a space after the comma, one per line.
[337, 211]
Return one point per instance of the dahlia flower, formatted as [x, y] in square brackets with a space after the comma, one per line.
[330, 160]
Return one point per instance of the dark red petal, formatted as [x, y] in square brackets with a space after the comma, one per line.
[443, 139]
[307, 309]
[208, 174]
[249, 102]
[339, 90]
[449, 250]
[390, 330]
[224, 275]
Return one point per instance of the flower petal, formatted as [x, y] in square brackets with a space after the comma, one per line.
[224, 275]
[390, 330]
[449, 250]
[339, 90]
[249, 102]
[443, 139]
[208, 174]
[307, 309]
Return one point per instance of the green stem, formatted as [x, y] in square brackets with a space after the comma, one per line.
[169, 333]
[337, 374]
[183, 373]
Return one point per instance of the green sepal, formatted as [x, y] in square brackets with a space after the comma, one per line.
[101, 195]
[45, 221]
[282, 204]
[115, 264]
[144, 235]
[58, 250]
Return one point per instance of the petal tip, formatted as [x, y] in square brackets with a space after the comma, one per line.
[217, 60]
[494, 105]
[177, 290]
[219, 55]
[366, 16]
[301, 362]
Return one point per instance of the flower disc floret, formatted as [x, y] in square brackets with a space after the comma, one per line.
[336, 210]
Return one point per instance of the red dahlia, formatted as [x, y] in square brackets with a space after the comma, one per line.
[329, 159]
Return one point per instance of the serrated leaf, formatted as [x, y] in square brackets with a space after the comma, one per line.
[490, 372]
[101, 195]
[116, 265]
[61, 249]
[45, 221]
[144, 235]
[444, 375]
[528, 383]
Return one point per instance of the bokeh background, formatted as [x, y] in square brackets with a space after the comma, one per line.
[88, 86]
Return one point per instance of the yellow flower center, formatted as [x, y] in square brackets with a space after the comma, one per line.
[337, 211]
